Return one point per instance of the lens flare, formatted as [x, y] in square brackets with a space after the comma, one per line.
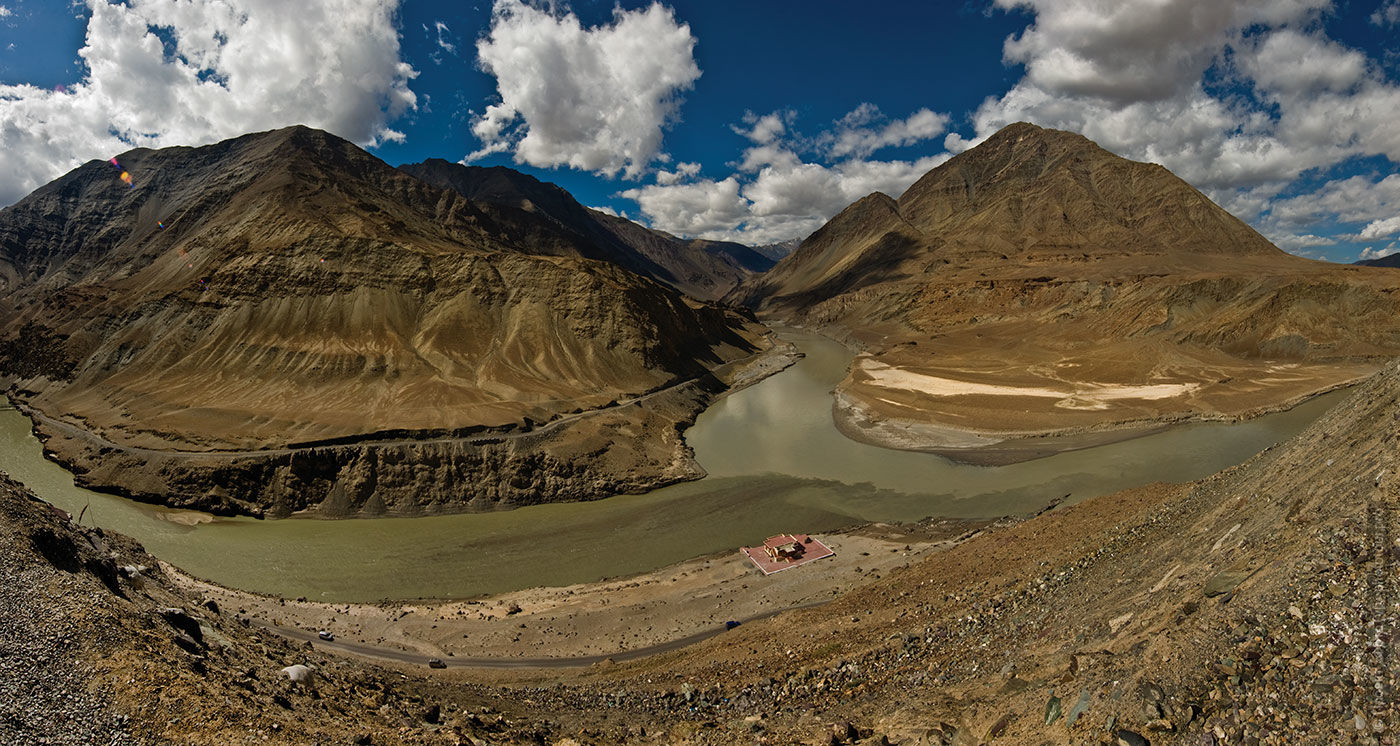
[125, 175]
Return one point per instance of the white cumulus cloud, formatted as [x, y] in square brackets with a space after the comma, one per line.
[233, 66]
[705, 208]
[1355, 199]
[595, 99]
[1129, 75]
[1137, 50]
[853, 137]
[1300, 243]
[765, 129]
[787, 185]
[1361, 200]
[1380, 229]
[682, 172]
[1290, 63]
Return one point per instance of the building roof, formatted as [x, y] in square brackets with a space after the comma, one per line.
[773, 542]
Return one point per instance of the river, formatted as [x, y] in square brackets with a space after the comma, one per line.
[776, 464]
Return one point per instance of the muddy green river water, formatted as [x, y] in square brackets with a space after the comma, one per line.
[776, 463]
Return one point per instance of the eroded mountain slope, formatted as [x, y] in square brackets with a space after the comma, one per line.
[1038, 283]
[287, 287]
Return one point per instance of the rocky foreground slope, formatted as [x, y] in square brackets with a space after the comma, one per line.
[288, 288]
[98, 647]
[1040, 283]
[1254, 606]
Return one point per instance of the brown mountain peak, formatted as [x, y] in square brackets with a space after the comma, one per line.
[853, 249]
[1032, 189]
[287, 286]
[1041, 262]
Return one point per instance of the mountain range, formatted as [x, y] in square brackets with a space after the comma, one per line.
[283, 322]
[700, 268]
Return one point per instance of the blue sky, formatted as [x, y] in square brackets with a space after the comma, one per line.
[753, 121]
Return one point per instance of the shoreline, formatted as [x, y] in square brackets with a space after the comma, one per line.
[1001, 448]
[581, 462]
[1006, 447]
[587, 623]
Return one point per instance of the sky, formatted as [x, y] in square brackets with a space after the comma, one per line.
[753, 121]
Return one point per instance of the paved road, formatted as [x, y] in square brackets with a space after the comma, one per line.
[372, 651]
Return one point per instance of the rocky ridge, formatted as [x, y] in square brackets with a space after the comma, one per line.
[625, 449]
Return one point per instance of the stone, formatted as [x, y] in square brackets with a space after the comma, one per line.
[1125, 737]
[187, 643]
[177, 618]
[1078, 709]
[300, 674]
[999, 727]
[1225, 581]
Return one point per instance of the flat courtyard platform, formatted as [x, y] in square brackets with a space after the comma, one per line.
[811, 551]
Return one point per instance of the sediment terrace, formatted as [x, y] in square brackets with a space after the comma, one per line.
[628, 446]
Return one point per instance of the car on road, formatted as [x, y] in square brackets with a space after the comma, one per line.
[327, 636]
[731, 624]
[436, 663]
